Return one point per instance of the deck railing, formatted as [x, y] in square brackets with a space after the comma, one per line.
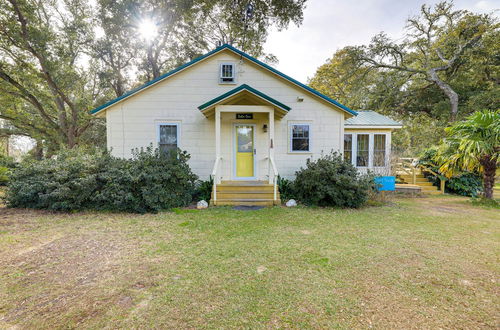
[410, 167]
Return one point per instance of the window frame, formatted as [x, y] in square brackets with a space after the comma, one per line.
[371, 148]
[368, 161]
[352, 147]
[385, 151]
[221, 65]
[168, 123]
[290, 137]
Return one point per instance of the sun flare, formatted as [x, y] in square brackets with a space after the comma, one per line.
[148, 29]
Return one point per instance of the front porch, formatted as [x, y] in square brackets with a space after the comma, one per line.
[244, 172]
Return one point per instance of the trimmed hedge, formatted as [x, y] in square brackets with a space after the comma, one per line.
[74, 180]
[330, 181]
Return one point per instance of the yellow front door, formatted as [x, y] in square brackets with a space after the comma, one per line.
[244, 151]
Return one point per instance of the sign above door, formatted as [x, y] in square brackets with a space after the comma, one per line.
[244, 116]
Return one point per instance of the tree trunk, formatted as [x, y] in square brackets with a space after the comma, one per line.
[448, 91]
[489, 172]
[38, 150]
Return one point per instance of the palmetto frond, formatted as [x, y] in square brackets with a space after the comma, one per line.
[470, 142]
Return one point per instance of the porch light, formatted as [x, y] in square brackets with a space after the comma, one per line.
[264, 128]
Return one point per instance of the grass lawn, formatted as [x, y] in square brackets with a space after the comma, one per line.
[424, 262]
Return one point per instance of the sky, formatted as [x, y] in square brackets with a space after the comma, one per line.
[332, 24]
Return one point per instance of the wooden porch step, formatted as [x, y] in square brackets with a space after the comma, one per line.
[424, 183]
[250, 202]
[245, 183]
[401, 187]
[410, 177]
[409, 174]
[247, 195]
[235, 189]
[259, 193]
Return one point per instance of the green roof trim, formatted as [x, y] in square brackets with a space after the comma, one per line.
[154, 81]
[370, 118]
[216, 50]
[239, 89]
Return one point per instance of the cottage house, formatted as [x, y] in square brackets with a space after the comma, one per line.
[243, 123]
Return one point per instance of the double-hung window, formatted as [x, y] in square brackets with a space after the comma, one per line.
[348, 148]
[168, 137]
[300, 135]
[227, 73]
[363, 150]
[379, 150]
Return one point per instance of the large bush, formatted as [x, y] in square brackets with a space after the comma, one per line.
[6, 165]
[330, 181]
[74, 180]
[463, 183]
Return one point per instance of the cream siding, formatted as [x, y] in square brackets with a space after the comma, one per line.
[132, 122]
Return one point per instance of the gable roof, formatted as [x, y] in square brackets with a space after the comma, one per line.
[369, 118]
[211, 53]
[241, 89]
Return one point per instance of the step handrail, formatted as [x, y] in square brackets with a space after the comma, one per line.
[442, 178]
[214, 177]
[275, 176]
[410, 167]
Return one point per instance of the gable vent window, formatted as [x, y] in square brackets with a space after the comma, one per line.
[227, 73]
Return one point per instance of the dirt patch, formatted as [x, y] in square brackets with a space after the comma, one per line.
[21, 214]
[444, 206]
[62, 272]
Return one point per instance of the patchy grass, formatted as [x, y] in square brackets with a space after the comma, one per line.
[426, 262]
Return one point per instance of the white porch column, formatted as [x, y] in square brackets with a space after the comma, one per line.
[217, 141]
[271, 143]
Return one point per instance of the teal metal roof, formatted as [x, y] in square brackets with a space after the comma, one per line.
[239, 89]
[216, 50]
[370, 118]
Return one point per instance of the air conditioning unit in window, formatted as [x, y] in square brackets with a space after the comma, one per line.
[227, 73]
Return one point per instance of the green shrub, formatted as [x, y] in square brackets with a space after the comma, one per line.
[330, 181]
[4, 175]
[464, 184]
[75, 180]
[6, 161]
[285, 188]
[204, 189]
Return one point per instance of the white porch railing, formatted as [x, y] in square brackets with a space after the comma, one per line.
[216, 179]
[272, 166]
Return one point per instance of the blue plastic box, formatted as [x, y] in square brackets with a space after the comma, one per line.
[386, 183]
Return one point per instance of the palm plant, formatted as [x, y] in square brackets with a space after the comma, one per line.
[473, 145]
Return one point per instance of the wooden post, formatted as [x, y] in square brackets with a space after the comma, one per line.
[271, 142]
[442, 184]
[414, 174]
[217, 139]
